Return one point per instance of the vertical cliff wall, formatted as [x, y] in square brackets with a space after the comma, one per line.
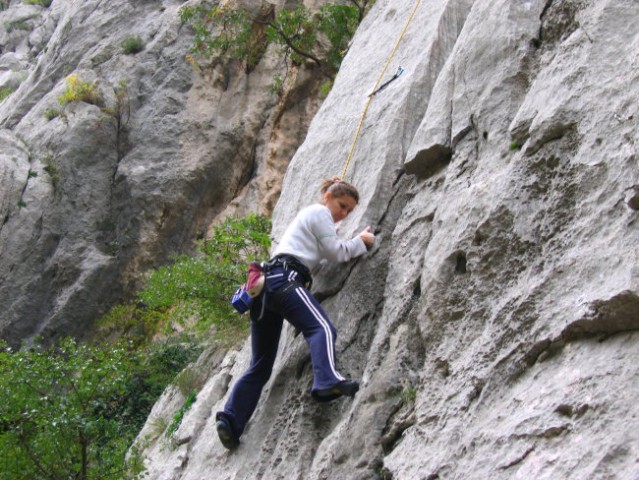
[494, 326]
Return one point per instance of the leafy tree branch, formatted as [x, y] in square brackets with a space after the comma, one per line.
[321, 37]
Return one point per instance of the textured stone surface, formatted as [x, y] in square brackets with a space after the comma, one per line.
[494, 327]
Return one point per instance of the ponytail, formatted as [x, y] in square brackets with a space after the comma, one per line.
[338, 188]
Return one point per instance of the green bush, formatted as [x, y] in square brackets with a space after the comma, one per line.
[132, 45]
[321, 38]
[194, 292]
[80, 91]
[43, 3]
[5, 92]
[21, 24]
[179, 415]
[51, 113]
[72, 411]
[157, 366]
[52, 169]
[55, 407]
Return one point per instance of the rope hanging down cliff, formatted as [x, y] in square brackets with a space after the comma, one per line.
[377, 87]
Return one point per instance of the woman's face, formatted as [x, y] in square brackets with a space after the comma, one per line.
[340, 207]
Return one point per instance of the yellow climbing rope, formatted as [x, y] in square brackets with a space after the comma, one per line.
[381, 75]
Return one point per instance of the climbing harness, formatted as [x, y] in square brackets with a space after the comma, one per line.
[377, 87]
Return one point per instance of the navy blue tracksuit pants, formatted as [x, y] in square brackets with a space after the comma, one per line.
[286, 298]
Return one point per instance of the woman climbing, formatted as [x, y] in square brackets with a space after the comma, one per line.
[309, 240]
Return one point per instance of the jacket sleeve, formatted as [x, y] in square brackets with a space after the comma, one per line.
[331, 247]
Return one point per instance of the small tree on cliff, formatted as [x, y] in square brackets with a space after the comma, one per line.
[55, 412]
[320, 38]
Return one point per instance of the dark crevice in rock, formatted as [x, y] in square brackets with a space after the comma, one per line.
[475, 392]
[558, 20]
[519, 459]
[530, 358]
[542, 16]
[399, 194]
[555, 132]
[430, 161]
[572, 411]
[460, 263]
[631, 197]
[408, 314]
[361, 326]
[473, 126]
[617, 315]
[463, 133]
[401, 418]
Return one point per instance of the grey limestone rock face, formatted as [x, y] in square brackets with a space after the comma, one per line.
[494, 325]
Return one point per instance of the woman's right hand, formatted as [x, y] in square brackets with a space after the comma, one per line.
[367, 237]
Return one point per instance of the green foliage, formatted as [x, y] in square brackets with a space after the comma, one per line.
[278, 82]
[514, 147]
[53, 170]
[325, 88]
[238, 241]
[295, 31]
[132, 44]
[233, 36]
[43, 3]
[321, 37]
[80, 91]
[21, 203]
[158, 426]
[191, 378]
[409, 394]
[5, 92]
[56, 408]
[32, 174]
[72, 411]
[51, 113]
[194, 292]
[384, 473]
[157, 366]
[20, 24]
[131, 321]
[179, 415]
[338, 23]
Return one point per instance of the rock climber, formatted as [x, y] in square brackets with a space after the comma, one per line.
[309, 239]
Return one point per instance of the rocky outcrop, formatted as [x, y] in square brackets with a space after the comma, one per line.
[494, 326]
[93, 195]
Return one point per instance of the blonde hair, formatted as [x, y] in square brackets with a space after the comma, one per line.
[338, 188]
